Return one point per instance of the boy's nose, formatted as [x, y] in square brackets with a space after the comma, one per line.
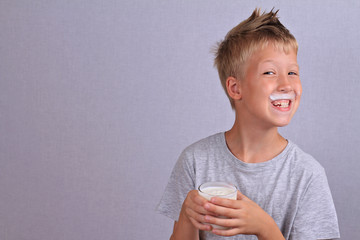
[284, 84]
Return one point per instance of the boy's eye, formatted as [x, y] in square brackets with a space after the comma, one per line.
[269, 73]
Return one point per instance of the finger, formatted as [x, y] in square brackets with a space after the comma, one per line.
[201, 209]
[194, 215]
[220, 210]
[226, 232]
[241, 196]
[196, 203]
[200, 226]
[229, 203]
[199, 199]
[197, 208]
[221, 221]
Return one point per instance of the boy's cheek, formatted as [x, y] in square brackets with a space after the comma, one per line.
[298, 89]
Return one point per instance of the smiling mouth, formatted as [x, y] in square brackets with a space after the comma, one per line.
[282, 104]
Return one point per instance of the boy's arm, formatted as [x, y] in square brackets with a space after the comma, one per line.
[184, 230]
[191, 218]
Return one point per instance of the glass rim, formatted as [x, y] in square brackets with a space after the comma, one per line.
[224, 184]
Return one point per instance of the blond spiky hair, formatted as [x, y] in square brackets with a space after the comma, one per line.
[247, 37]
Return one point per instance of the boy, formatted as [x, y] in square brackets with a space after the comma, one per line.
[283, 192]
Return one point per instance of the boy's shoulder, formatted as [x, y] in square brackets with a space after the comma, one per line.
[204, 144]
[304, 162]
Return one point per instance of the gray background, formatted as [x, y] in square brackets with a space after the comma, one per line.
[98, 99]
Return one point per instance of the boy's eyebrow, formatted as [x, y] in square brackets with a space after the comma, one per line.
[295, 65]
[272, 61]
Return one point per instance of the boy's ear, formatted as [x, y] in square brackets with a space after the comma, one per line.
[233, 87]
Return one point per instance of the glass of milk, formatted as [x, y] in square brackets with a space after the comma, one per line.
[218, 189]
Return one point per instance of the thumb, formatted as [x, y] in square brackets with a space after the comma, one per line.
[241, 196]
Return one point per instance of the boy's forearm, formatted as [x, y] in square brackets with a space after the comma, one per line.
[184, 230]
[272, 232]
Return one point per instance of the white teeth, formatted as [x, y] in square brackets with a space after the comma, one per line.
[284, 104]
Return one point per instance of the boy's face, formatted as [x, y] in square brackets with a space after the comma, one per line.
[271, 87]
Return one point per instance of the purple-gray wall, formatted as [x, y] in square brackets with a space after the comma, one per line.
[98, 98]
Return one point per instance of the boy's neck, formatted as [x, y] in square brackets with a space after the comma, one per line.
[254, 145]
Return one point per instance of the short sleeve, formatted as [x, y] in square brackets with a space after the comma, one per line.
[316, 216]
[180, 183]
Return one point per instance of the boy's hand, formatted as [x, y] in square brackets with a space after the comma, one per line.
[244, 217]
[193, 210]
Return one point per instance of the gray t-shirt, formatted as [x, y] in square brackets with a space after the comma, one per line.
[292, 187]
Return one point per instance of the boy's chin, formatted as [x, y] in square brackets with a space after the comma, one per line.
[282, 123]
